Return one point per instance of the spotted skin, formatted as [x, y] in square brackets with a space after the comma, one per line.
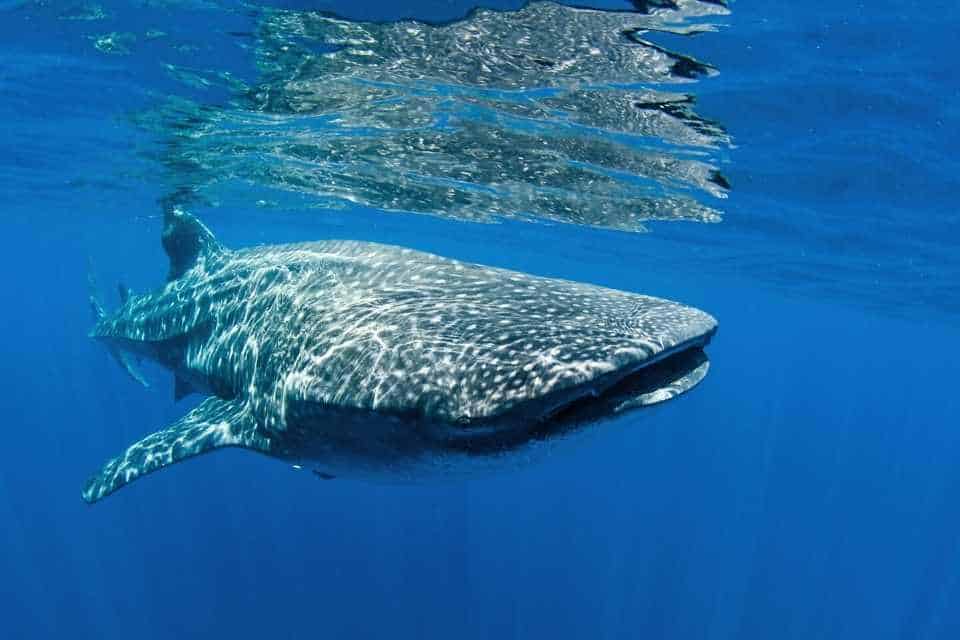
[369, 355]
[215, 423]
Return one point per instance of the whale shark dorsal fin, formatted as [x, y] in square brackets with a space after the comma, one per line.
[186, 240]
[215, 423]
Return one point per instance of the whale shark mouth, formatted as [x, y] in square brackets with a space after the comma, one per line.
[657, 382]
[663, 378]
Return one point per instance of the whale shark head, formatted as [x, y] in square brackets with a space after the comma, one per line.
[600, 386]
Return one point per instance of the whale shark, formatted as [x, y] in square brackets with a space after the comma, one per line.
[358, 359]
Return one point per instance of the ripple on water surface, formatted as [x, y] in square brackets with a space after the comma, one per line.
[545, 113]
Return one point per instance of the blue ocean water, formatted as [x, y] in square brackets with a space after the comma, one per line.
[797, 179]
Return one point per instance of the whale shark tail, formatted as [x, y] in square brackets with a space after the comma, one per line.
[214, 424]
[93, 295]
[122, 358]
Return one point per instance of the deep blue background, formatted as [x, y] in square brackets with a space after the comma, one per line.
[808, 489]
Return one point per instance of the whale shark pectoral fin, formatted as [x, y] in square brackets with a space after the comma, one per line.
[215, 423]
